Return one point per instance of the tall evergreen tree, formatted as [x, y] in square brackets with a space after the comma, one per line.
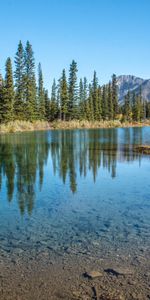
[90, 100]
[1, 97]
[53, 102]
[100, 103]
[72, 89]
[104, 103]
[114, 96]
[8, 100]
[30, 84]
[47, 105]
[19, 82]
[81, 100]
[95, 96]
[41, 95]
[127, 107]
[64, 96]
[109, 101]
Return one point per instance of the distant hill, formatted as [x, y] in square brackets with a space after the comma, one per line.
[133, 83]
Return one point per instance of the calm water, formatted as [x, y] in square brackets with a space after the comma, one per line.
[64, 189]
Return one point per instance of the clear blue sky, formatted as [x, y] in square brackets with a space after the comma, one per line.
[109, 36]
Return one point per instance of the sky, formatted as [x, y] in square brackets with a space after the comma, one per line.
[109, 36]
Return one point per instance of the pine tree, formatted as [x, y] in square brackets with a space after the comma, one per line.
[53, 102]
[114, 96]
[134, 107]
[72, 89]
[47, 105]
[95, 96]
[30, 84]
[8, 103]
[147, 110]
[64, 96]
[91, 107]
[58, 114]
[81, 100]
[127, 107]
[41, 95]
[105, 102]
[109, 101]
[99, 103]
[1, 97]
[19, 82]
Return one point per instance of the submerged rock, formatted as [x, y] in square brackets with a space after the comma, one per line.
[119, 271]
[93, 274]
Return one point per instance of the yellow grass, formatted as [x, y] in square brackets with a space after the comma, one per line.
[20, 126]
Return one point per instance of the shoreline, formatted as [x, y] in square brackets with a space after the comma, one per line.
[26, 126]
[62, 276]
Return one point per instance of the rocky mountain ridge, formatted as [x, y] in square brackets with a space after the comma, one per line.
[134, 84]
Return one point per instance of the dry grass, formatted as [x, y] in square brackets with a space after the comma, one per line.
[20, 126]
[76, 124]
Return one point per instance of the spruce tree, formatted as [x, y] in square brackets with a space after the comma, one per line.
[53, 102]
[30, 84]
[95, 96]
[72, 89]
[104, 103]
[91, 107]
[127, 107]
[8, 96]
[1, 97]
[64, 96]
[81, 100]
[47, 105]
[114, 96]
[19, 82]
[99, 103]
[134, 107]
[109, 101]
[41, 95]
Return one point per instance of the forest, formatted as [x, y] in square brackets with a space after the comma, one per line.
[24, 97]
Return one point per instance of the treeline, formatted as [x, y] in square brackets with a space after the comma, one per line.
[24, 98]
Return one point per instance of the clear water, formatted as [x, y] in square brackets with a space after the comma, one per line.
[65, 190]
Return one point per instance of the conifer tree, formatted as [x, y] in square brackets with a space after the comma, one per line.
[19, 82]
[81, 100]
[134, 107]
[53, 102]
[30, 84]
[41, 95]
[114, 96]
[8, 100]
[58, 108]
[72, 89]
[110, 104]
[104, 103]
[1, 97]
[99, 103]
[127, 107]
[64, 96]
[47, 105]
[95, 96]
[91, 107]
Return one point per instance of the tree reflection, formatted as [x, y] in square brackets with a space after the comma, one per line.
[74, 154]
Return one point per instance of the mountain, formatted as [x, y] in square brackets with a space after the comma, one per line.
[133, 84]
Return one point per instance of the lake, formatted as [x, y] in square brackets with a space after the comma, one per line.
[75, 197]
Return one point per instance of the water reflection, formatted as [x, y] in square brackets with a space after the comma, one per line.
[24, 157]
